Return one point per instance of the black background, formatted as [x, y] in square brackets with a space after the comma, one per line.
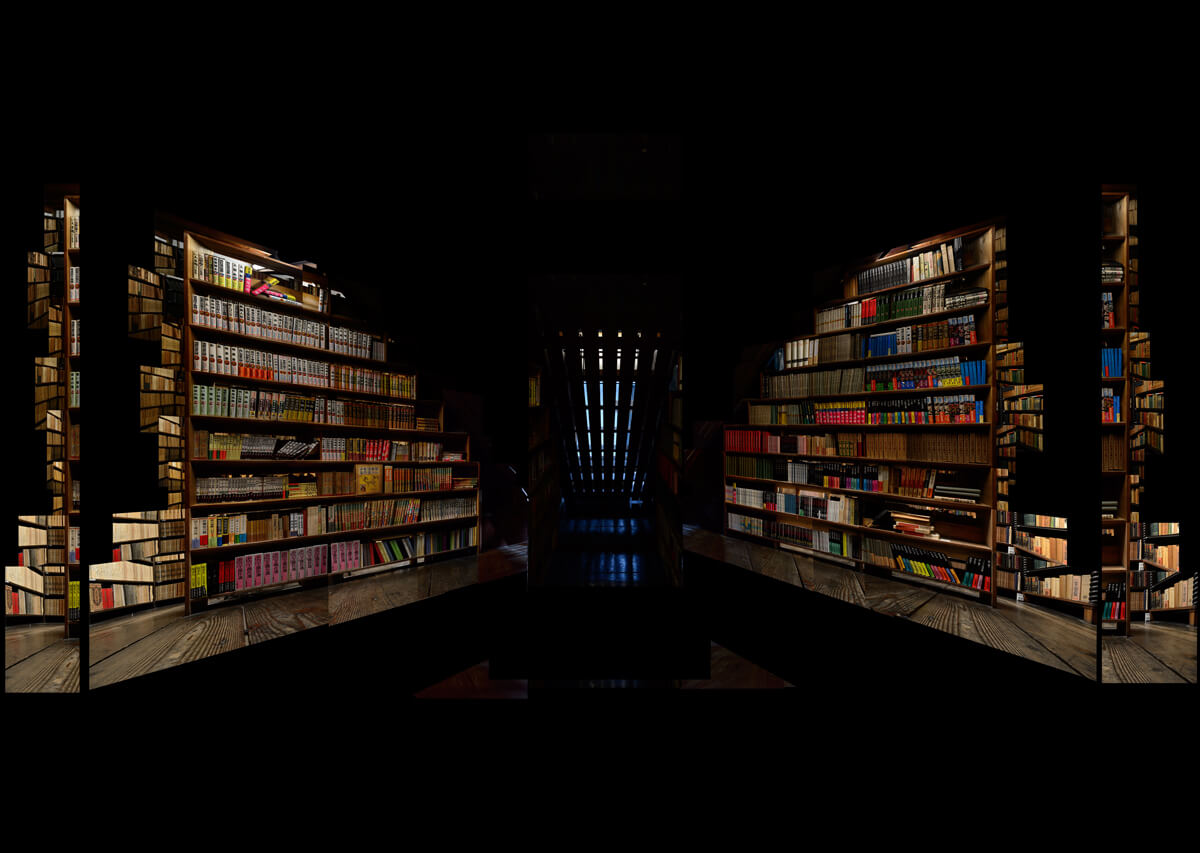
[439, 227]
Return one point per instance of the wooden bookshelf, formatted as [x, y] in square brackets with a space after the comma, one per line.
[37, 588]
[236, 294]
[888, 319]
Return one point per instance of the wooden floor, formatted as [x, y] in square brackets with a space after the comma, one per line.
[158, 639]
[38, 659]
[1026, 630]
[1156, 652]
[728, 671]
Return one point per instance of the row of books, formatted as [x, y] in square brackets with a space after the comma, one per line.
[141, 550]
[1108, 310]
[1111, 362]
[384, 450]
[22, 602]
[117, 595]
[1029, 519]
[910, 302]
[1068, 587]
[73, 390]
[1151, 400]
[941, 334]
[946, 372]
[1182, 594]
[1112, 272]
[950, 446]
[231, 316]
[843, 509]
[836, 542]
[256, 364]
[950, 409]
[907, 375]
[1110, 406]
[1112, 452]
[1164, 555]
[251, 403]
[535, 390]
[274, 486]
[934, 564]
[821, 382]
[899, 480]
[122, 569]
[943, 260]
[218, 531]
[1052, 548]
[220, 445]
[1158, 528]
[425, 544]
[251, 571]
[1010, 437]
[25, 577]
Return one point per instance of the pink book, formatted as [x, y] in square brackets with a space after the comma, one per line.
[239, 564]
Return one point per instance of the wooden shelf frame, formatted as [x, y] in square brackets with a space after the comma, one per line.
[192, 331]
[981, 275]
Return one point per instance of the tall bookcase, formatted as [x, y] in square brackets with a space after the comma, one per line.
[308, 454]
[43, 586]
[73, 414]
[1117, 281]
[878, 428]
[1158, 585]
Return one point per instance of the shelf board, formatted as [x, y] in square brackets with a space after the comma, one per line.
[120, 580]
[856, 528]
[1113, 569]
[1113, 380]
[315, 500]
[887, 495]
[903, 321]
[1168, 609]
[339, 393]
[1061, 531]
[1056, 598]
[905, 392]
[1171, 579]
[941, 584]
[1035, 554]
[903, 356]
[298, 541]
[1153, 565]
[1113, 238]
[272, 424]
[1113, 522]
[1164, 536]
[863, 459]
[20, 585]
[121, 607]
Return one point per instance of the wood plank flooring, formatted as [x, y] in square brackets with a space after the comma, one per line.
[21, 641]
[1154, 652]
[53, 668]
[152, 640]
[1026, 630]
